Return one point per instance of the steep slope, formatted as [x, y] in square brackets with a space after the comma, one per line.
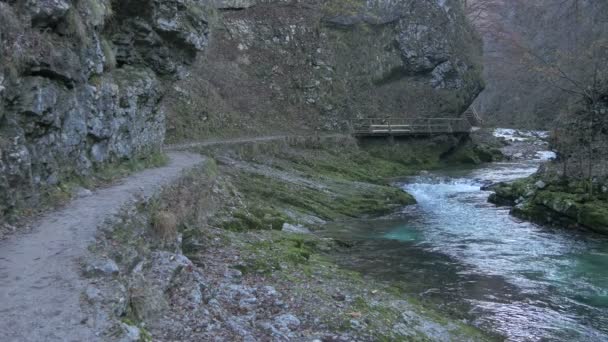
[314, 65]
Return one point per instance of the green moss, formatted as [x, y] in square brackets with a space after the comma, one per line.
[333, 179]
[96, 10]
[330, 200]
[77, 27]
[465, 156]
[595, 216]
[488, 154]
[567, 203]
[257, 218]
[280, 251]
[299, 262]
[474, 155]
[110, 172]
[508, 193]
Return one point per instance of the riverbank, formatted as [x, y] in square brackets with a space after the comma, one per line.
[227, 252]
[545, 197]
[556, 202]
[461, 255]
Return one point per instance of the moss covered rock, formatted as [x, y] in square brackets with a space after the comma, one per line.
[556, 202]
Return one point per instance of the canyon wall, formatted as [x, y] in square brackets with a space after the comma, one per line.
[288, 66]
[81, 82]
[88, 83]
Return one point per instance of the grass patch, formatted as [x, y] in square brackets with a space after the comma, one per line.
[280, 251]
[328, 179]
[332, 199]
[111, 172]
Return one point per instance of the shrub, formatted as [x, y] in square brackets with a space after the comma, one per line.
[164, 226]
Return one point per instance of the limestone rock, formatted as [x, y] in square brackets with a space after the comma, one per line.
[101, 267]
[79, 95]
[161, 277]
[87, 91]
[287, 322]
[82, 192]
[47, 12]
[422, 47]
[2, 87]
[298, 229]
[179, 19]
[130, 333]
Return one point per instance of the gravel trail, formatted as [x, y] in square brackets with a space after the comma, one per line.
[40, 277]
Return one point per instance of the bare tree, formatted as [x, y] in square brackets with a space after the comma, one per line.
[532, 44]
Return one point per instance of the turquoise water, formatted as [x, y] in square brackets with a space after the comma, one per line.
[468, 257]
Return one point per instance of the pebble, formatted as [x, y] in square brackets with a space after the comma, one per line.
[101, 267]
[339, 297]
[82, 192]
[131, 333]
[540, 184]
[287, 321]
[270, 291]
[92, 294]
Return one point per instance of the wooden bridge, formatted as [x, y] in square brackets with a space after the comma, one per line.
[416, 126]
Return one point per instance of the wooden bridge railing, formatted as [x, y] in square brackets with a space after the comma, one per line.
[410, 126]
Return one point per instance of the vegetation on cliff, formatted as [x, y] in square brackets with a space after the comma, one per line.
[314, 66]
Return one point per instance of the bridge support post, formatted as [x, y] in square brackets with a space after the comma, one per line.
[391, 139]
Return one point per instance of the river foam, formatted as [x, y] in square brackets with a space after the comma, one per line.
[523, 281]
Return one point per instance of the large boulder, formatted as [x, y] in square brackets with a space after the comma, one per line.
[45, 13]
[161, 280]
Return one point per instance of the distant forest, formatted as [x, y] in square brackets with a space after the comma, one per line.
[541, 58]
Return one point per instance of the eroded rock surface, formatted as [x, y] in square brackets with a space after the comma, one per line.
[80, 84]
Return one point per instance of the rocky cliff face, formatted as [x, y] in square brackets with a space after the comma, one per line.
[80, 84]
[84, 82]
[291, 65]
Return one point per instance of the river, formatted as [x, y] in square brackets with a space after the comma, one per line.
[472, 260]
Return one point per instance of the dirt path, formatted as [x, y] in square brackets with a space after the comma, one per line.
[40, 278]
[213, 142]
[40, 281]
